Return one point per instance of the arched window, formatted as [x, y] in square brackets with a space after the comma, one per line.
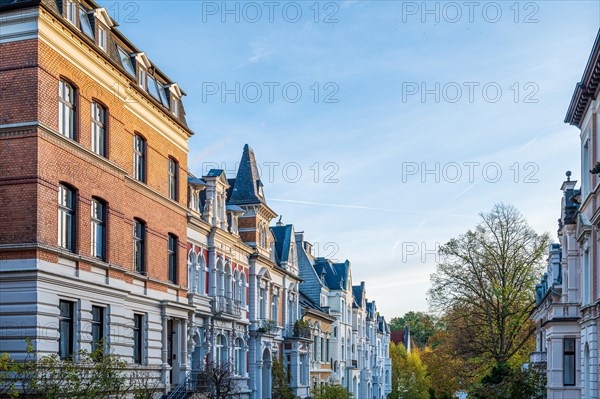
[192, 270]
[66, 217]
[387, 376]
[221, 350]
[99, 129]
[239, 358]
[98, 228]
[262, 235]
[236, 286]
[66, 109]
[220, 278]
[228, 279]
[243, 288]
[201, 273]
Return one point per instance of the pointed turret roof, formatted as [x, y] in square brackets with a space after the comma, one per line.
[247, 188]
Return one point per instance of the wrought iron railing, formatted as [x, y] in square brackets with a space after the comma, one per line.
[267, 326]
[297, 330]
[225, 305]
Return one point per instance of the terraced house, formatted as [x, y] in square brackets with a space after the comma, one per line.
[94, 144]
[106, 239]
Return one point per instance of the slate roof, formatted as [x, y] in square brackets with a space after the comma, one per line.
[357, 293]
[336, 274]
[283, 238]
[114, 39]
[247, 181]
[196, 181]
[215, 172]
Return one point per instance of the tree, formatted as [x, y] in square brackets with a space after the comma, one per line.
[331, 392]
[98, 374]
[422, 326]
[504, 382]
[486, 280]
[281, 381]
[409, 374]
[216, 381]
[448, 372]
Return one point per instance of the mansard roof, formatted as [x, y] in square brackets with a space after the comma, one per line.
[247, 187]
[587, 89]
[283, 238]
[357, 292]
[116, 41]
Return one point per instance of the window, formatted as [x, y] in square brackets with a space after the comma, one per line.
[86, 26]
[66, 109]
[139, 243]
[152, 88]
[102, 38]
[142, 78]
[163, 95]
[138, 320]
[172, 258]
[261, 303]
[587, 281]
[586, 177]
[65, 329]
[315, 348]
[221, 351]
[98, 229]
[174, 106]
[327, 350]
[98, 129]
[173, 179]
[139, 158]
[97, 328]
[239, 357]
[71, 11]
[126, 61]
[569, 361]
[66, 218]
[275, 307]
[322, 349]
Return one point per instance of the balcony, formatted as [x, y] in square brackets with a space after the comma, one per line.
[538, 358]
[224, 306]
[268, 327]
[299, 330]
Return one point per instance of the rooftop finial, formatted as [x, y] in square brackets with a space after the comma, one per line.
[568, 175]
[279, 222]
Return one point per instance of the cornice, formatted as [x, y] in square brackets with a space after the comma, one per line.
[587, 89]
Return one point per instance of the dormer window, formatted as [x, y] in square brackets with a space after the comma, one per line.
[71, 11]
[260, 189]
[102, 38]
[126, 61]
[175, 107]
[86, 26]
[163, 95]
[142, 77]
[152, 88]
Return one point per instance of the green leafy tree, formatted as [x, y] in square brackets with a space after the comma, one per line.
[280, 381]
[504, 382]
[85, 375]
[331, 392]
[486, 283]
[422, 326]
[409, 374]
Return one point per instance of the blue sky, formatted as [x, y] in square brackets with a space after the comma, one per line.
[497, 78]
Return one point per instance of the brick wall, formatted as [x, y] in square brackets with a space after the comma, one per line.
[34, 161]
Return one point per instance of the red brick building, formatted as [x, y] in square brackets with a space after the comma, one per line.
[93, 189]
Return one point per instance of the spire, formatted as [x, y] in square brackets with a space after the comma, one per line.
[247, 189]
